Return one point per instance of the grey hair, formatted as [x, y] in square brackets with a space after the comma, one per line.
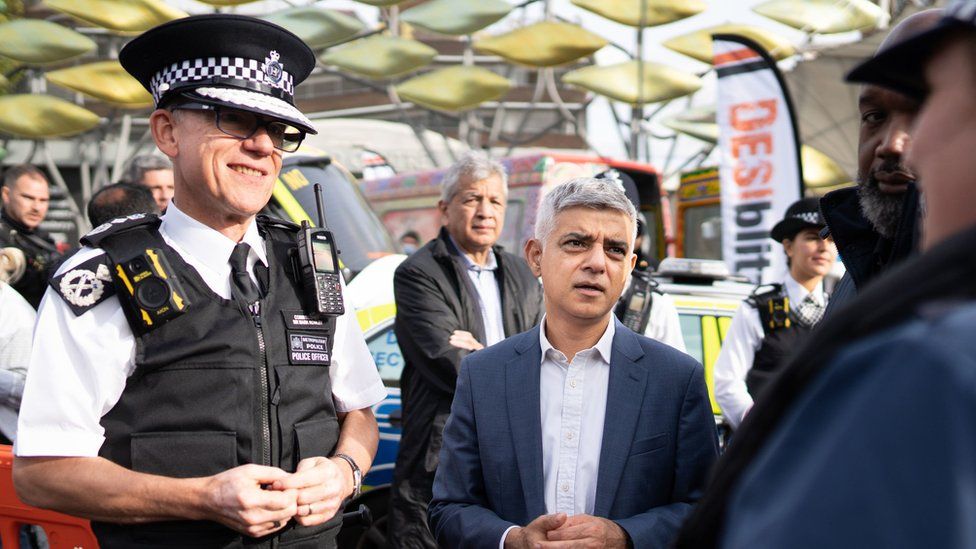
[586, 192]
[142, 163]
[472, 166]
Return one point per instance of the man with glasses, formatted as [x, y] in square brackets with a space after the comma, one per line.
[205, 421]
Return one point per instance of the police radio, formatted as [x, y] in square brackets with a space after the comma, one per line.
[154, 295]
[634, 307]
[318, 259]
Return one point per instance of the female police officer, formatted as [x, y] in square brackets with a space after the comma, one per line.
[768, 325]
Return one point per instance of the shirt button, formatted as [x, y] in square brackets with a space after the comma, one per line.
[572, 383]
[565, 487]
[569, 435]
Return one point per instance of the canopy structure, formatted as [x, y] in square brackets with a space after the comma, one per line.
[42, 117]
[621, 82]
[318, 27]
[456, 17]
[545, 44]
[823, 16]
[122, 16]
[105, 81]
[698, 44]
[381, 56]
[454, 88]
[655, 12]
[37, 42]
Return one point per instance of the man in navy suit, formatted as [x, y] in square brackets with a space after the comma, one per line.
[578, 432]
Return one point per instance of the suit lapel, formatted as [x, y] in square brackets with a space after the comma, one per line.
[525, 419]
[625, 395]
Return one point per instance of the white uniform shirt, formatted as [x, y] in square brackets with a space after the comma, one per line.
[664, 325]
[573, 403]
[78, 368]
[489, 299]
[744, 338]
[16, 325]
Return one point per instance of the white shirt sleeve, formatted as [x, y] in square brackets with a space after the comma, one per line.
[77, 372]
[664, 325]
[356, 383]
[501, 543]
[734, 362]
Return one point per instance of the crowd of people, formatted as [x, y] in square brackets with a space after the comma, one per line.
[183, 389]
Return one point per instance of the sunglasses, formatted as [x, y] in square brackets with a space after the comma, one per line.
[244, 124]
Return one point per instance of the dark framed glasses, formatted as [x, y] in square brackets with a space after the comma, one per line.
[244, 124]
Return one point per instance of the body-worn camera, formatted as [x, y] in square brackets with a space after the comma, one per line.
[152, 296]
[778, 313]
[320, 270]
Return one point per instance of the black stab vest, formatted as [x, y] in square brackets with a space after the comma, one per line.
[201, 400]
[777, 345]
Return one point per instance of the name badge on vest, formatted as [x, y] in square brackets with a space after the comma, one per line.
[308, 339]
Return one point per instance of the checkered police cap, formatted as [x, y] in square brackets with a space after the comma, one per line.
[802, 214]
[901, 67]
[223, 59]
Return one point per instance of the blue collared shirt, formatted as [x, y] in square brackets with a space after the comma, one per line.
[489, 296]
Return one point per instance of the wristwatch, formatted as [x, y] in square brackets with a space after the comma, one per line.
[357, 475]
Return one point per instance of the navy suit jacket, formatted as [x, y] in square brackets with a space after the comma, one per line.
[659, 443]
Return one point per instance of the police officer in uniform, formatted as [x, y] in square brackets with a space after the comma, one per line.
[202, 404]
[771, 323]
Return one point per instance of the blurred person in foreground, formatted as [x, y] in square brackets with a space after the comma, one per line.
[579, 432]
[771, 323]
[155, 173]
[246, 420]
[16, 330]
[26, 198]
[120, 200]
[866, 439]
[875, 225]
[457, 294]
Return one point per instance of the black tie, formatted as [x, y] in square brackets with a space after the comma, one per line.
[242, 287]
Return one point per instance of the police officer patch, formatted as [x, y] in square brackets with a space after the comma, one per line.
[308, 349]
[86, 285]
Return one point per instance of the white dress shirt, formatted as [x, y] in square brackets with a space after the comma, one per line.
[573, 404]
[744, 338]
[16, 327]
[489, 299]
[79, 366]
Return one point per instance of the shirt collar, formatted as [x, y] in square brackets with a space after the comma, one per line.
[490, 265]
[798, 293]
[603, 346]
[207, 245]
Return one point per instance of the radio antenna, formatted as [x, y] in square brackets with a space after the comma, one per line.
[319, 205]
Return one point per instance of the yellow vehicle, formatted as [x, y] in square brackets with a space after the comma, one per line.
[699, 215]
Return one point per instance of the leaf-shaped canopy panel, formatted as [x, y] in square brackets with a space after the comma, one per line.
[819, 170]
[42, 116]
[704, 131]
[123, 16]
[545, 44]
[380, 3]
[318, 27]
[823, 16]
[621, 82]
[381, 56]
[104, 80]
[222, 3]
[656, 12]
[698, 44]
[37, 42]
[454, 88]
[456, 17]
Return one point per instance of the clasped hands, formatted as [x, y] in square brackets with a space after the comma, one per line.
[559, 531]
[256, 500]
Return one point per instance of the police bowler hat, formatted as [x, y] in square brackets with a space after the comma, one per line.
[802, 214]
[223, 59]
[901, 67]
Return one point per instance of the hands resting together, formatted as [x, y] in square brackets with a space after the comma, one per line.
[257, 500]
[559, 531]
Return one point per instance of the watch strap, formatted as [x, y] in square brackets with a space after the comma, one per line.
[357, 474]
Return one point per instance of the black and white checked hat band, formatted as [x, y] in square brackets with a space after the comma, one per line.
[268, 77]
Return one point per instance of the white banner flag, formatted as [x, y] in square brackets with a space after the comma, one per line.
[760, 156]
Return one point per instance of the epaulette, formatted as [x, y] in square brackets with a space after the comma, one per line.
[119, 225]
[265, 220]
[85, 285]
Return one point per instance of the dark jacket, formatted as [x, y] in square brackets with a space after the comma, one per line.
[923, 285]
[863, 250]
[435, 297]
[39, 250]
